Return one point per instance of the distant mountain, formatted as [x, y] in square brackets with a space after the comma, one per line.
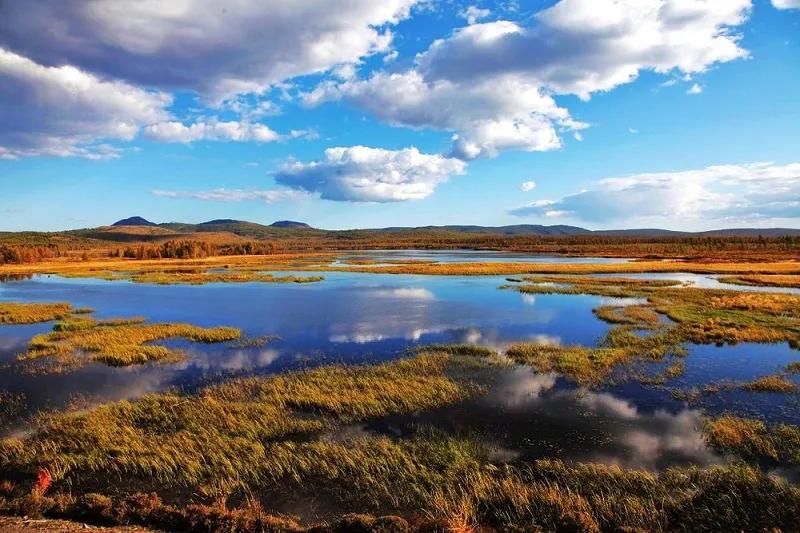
[562, 230]
[749, 232]
[134, 221]
[284, 228]
[519, 229]
[219, 221]
[289, 224]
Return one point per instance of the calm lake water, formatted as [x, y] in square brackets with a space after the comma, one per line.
[354, 318]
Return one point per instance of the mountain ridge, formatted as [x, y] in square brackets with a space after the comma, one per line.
[255, 229]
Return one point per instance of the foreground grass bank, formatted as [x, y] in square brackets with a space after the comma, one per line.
[237, 455]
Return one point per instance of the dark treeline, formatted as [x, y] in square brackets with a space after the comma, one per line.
[193, 249]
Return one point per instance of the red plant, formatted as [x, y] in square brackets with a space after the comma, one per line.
[6, 487]
[43, 481]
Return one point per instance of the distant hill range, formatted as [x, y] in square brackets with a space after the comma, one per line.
[280, 228]
[290, 224]
[134, 221]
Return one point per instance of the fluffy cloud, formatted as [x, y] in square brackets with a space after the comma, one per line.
[492, 83]
[584, 46]
[219, 50]
[491, 115]
[473, 14]
[210, 131]
[527, 186]
[232, 195]
[757, 191]
[695, 89]
[63, 111]
[362, 174]
[786, 4]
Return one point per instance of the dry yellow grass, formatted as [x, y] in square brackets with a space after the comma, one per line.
[29, 313]
[321, 262]
[641, 316]
[117, 342]
[752, 439]
[743, 435]
[775, 383]
[764, 280]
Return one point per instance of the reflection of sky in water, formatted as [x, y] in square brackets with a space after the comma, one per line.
[348, 318]
[703, 281]
[533, 416]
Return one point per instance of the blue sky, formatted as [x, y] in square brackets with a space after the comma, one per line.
[681, 114]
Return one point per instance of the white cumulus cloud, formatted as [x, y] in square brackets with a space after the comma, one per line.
[786, 4]
[64, 111]
[492, 83]
[173, 131]
[750, 192]
[491, 115]
[527, 186]
[473, 14]
[217, 49]
[695, 89]
[363, 174]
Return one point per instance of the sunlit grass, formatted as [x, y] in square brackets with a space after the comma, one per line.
[753, 439]
[117, 342]
[248, 440]
[592, 365]
[640, 316]
[702, 315]
[764, 280]
[225, 431]
[29, 313]
[775, 383]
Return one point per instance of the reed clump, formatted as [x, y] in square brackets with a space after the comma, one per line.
[774, 383]
[592, 365]
[639, 316]
[753, 439]
[29, 313]
[118, 342]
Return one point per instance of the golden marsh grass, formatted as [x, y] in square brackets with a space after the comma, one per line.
[117, 342]
[216, 459]
[29, 313]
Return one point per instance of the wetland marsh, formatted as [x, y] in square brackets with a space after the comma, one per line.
[421, 401]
